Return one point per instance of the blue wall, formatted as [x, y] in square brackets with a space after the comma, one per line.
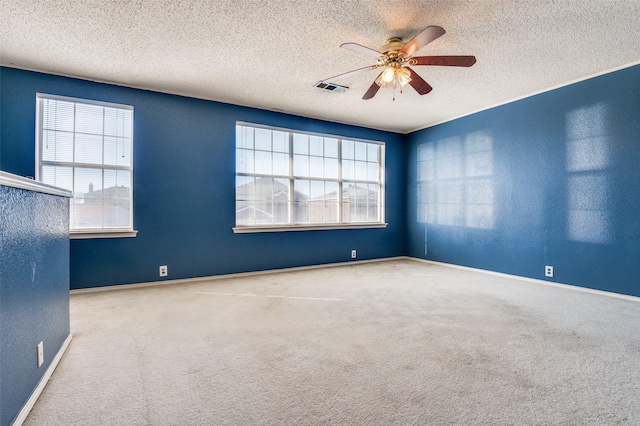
[553, 179]
[184, 187]
[34, 290]
[548, 180]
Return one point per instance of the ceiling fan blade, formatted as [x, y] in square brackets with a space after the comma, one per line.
[449, 61]
[421, 40]
[346, 74]
[373, 89]
[421, 86]
[361, 49]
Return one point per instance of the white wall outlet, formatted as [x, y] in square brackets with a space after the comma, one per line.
[548, 271]
[353, 254]
[40, 354]
[163, 271]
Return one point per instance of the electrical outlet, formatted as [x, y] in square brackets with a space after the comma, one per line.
[163, 271]
[548, 271]
[353, 254]
[40, 354]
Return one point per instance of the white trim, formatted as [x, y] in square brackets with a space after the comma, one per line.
[529, 95]
[337, 264]
[319, 227]
[26, 408]
[533, 280]
[84, 235]
[226, 276]
[15, 181]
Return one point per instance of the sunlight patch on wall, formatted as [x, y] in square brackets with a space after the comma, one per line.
[588, 186]
[455, 181]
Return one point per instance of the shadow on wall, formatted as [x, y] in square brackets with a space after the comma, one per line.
[588, 184]
[455, 181]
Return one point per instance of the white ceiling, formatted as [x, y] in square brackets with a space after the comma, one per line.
[269, 53]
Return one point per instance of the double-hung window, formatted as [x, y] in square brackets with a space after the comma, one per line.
[294, 180]
[86, 147]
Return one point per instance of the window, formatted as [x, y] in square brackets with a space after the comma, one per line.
[86, 147]
[288, 179]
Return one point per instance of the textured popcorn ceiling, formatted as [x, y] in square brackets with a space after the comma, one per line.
[268, 54]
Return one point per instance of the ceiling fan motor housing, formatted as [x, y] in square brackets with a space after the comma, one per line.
[393, 45]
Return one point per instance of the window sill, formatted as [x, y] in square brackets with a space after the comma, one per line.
[83, 235]
[317, 227]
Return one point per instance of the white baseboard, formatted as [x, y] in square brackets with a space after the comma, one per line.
[225, 276]
[533, 280]
[26, 408]
[331, 265]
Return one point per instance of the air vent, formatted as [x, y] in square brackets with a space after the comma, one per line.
[331, 87]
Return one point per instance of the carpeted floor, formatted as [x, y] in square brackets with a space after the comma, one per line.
[395, 342]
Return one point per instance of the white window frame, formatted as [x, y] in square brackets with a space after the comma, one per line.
[103, 232]
[291, 177]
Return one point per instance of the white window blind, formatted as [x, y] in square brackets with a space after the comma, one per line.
[292, 178]
[86, 147]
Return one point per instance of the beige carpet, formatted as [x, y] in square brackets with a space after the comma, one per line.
[395, 342]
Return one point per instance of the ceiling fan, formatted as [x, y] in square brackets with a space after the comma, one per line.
[395, 57]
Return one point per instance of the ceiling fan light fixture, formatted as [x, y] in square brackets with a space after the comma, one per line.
[394, 75]
[403, 76]
[388, 75]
